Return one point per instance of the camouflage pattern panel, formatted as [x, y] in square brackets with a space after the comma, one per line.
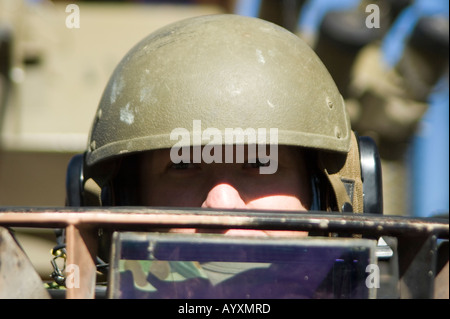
[175, 266]
[160, 279]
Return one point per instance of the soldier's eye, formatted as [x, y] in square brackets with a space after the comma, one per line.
[182, 165]
[257, 163]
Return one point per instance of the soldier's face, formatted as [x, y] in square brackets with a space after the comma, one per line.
[226, 185]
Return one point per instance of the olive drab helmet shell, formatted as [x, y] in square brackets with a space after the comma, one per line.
[223, 71]
[227, 71]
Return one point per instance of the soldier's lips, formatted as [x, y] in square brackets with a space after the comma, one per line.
[266, 233]
[244, 232]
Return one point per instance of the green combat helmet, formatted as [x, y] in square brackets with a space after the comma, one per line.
[226, 71]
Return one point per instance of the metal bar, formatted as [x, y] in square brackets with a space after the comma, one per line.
[80, 268]
[136, 218]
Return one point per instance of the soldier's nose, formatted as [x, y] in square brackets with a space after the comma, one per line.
[223, 196]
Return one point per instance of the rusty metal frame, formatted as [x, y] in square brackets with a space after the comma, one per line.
[83, 224]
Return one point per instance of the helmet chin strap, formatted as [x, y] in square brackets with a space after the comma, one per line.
[343, 172]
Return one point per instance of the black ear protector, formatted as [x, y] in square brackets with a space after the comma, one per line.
[74, 181]
[370, 174]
